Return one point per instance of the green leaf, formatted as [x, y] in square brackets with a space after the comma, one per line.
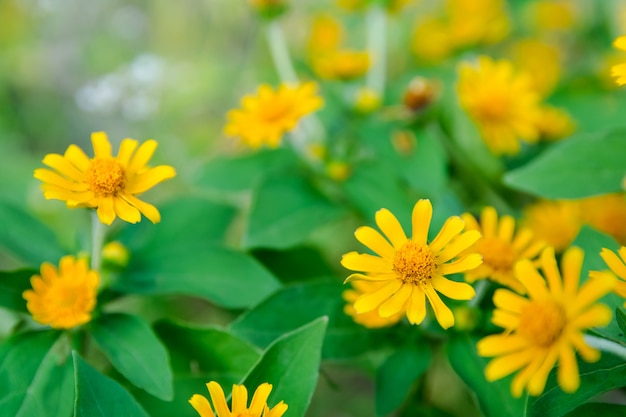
[12, 285]
[135, 351]
[199, 355]
[242, 173]
[36, 375]
[582, 166]
[100, 396]
[595, 378]
[284, 212]
[397, 374]
[291, 365]
[599, 409]
[620, 317]
[27, 239]
[494, 398]
[224, 276]
[296, 305]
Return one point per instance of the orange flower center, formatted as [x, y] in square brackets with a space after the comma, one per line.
[494, 107]
[496, 253]
[414, 263]
[275, 111]
[542, 322]
[105, 176]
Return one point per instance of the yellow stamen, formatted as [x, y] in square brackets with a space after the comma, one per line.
[105, 176]
[542, 322]
[414, 263]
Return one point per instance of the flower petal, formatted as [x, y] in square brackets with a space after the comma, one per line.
[125, 211]
[416, 309]
[370, 301]
[239, 400]
[452, 289]
[443, 314]
[420, 219]
[127, 147]
[501, 344]
[509, 301]
[365, 262]
[450, 229]
[466, 263]
[218, 399]
[551, 271]
[77, 157]
[396, 302]
[148, 179]
[201, 405]
[458, 245]
[62, 165]
[146, 209]
[375, 241]
[614, 262]
[106, 212]
[571, 266]
[259, 398]
[390, 226]
[141, 157]
[507, 364]
[567, 372]
[101, 145]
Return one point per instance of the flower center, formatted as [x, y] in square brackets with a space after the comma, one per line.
[105, 176]
[414, 263]
[496, 253]
[542, 322]
[275, 111]
[494, 107]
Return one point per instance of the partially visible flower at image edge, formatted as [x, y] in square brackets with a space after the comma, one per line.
[617, 263]
[65, 297]
[619, 71]
[409, 270]
[501, 246]
[547, 327]
[502, 103]
[258, 406]
[106, 183]
[264, 118]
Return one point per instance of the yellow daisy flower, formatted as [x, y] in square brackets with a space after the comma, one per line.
[618, 266]
[371, 319]
[265, 117]
[547, 326]
[63, 298]
[342, 64]
[554, 124]
[477, 22]
[500, 247]
[258, 405]
[539, 59]
[619, 71]
[411, 269]
[109, 184]
[555, 222]
[606, 213]
[501, 102]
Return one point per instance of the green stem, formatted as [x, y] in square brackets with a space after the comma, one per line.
[377, 48]
[280, 52]
[481, 289]
[97, 240]
[606, 345]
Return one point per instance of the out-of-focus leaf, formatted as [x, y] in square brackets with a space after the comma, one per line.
[599, 410]
[582, 166]
[595, 378]
[284, 212]
[199, 355]
[100, 396]
[288, 265]
[296, 305]
[291, 365]
[244, 172]
[397, 374]
[36, 375]
[12, 285]
[495, 397]
[135, 351]
[224, 276]
[26, 238]
[620, 317]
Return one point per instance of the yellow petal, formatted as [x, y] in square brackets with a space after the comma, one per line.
[592, 290]
[620, 43]
[201, 405]
[370, 278]
[395, 303]
[614, 262]
[489, 221]
[571, 265]
[452, 289]
[421, 216]
[551, 271]
[588, 353]
[260, 398]
[442, 313]
[522, 378]
[101, 145]
[567, 372]
[416, 310]
[106, 212]
[146, 209]
[501, 344]
[127, 147]
[466, 263]
[240, 399]
[148, 179]
[370, 301]
[598, 315]
[62, 165]
[277, 411]
[507, 364]
[125, 211]
[219, 401]
[531, 279]
[391, 227]
[53, 178]
[375, 241]
[365, 262]
[458, 245]
[141, 157]
[450, 229]
[77, 157]
[509, 301]
[537, 382]
[506, 228]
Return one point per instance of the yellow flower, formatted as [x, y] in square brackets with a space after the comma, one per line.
[501, 102]
[342, 64]
[326, 34]
[366, 100]
[555, 222]
[409, 270]
[431, 40]
[258, 405]
[540, 60]
[554, 124]
[606, 213]
[265, 117]
[370, 319]
[553, 15]
[115, 253]
[547, 326]
[618, 266]
[500, 248]
[110, 184]
[619, 71]
[63, 298]
[477, 22]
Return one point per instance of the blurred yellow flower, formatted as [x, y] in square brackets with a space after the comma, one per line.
[409, 270]
[258, 406]
[115, 253]
[552, 15]
[555, 222]
[540, 60]
[547, 326]
[431, 40]
[326, 34]
[341, 64]
[554, 123]
[264, 118]
[619, 71]
[606, 213]
[477, 22]
[63, 298]
[617, 264]
[501, 102]
[366, 100]
[338, 170]
[501, 247]
[107, 183]
[370, 319]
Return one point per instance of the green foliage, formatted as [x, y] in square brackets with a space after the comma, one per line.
[582, 166]
[12, 285]
[598, 409]
[100, 396]
[135, 351]
[291, 365]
